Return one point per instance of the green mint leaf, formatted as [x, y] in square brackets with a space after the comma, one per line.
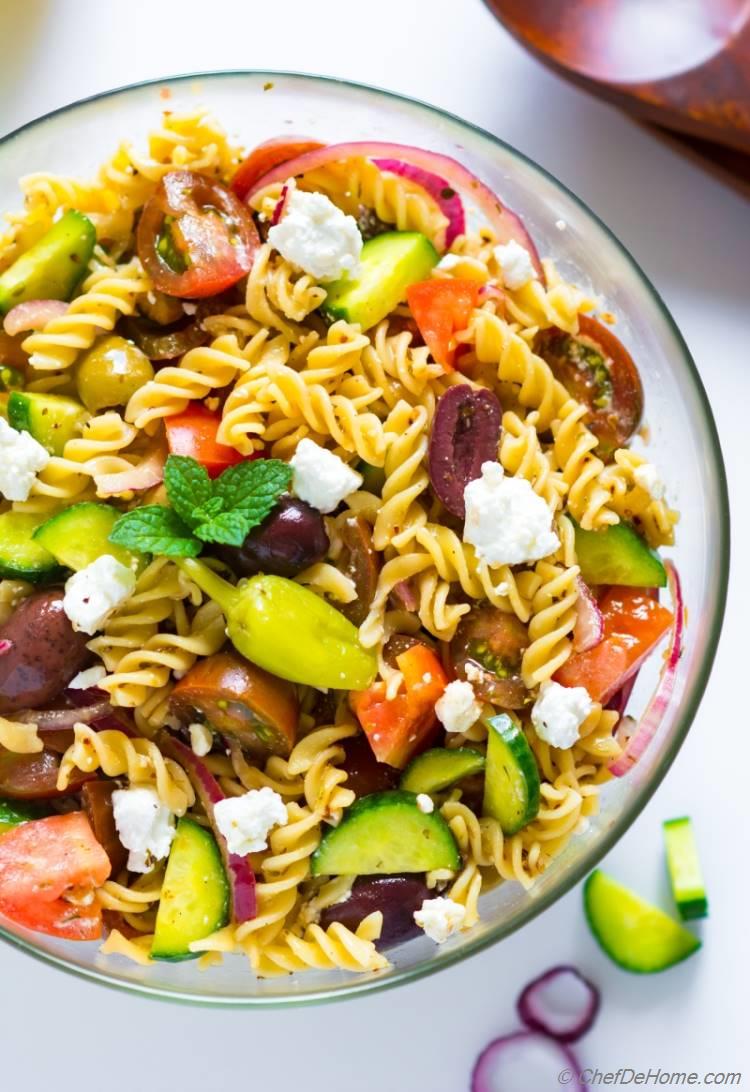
[155, 529]
[229, 528]
[253, 488]
[208, 510]
[188, 486]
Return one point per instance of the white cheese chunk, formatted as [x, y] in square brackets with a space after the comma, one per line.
[92, 594]
[246, 820]
[425, 803]
[516, 264]
[201, 739]
[440, 918]
[320, 477]
[21, 458]
[144, 825]
[317, 236]
[457, 708]
[85, 680]
[507, 523]
[647, 476]
[559, 712]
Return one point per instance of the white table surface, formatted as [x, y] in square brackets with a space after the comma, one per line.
[692, 235]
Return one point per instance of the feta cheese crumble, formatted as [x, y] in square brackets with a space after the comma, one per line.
[93, 593]
[507, 523]
[317, 236]
[144, 825]
[457, 708]
[647, 476]
[425, 803]
[92, 676]
[440, 918]
[21, 458]
[559, 712]
[320, 477]
[246, 820]
[201, 739]
[516, 264]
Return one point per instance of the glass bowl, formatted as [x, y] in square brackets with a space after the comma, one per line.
[683, 442]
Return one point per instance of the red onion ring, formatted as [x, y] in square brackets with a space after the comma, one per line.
[32, 315]
[147, 473]
[560, 1003]
[280, 206]
[55, 720]
[588, 631]
[5, 646]
[525, 1062]
[447, 200]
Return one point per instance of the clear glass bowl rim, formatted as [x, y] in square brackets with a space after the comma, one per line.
[630, 813]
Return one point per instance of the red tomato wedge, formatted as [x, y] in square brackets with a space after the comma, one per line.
[265, 157]
[193, 433]
[634, 623]
[195, 238]
[400, 727]
[441, 308]
[44, 860]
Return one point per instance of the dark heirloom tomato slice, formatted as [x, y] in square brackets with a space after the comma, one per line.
[34, 776]
[195, 238]
[598, 370]
[265, 157]
[487, 650]
[359, 562]
[96, 797]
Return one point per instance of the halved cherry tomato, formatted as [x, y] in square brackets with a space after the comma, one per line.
[193, 433]
[634, 622]
[34, 776]
[488, 650]
[360, 562]
[195, 238]
[598, 370]
[441, 308]
[399, 727]
[265, 157]
[42, 862]
[231, 695]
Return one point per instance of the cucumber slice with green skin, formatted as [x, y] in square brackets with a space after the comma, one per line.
[80, 534]
[684, 868]
[14, 812]
[53, 267]
[383, 834]
[618, 555]
[636, 935]
[388, 265]
[439, 769]
[511, 779]
[50, 418]
[195, 895]
[21, 557]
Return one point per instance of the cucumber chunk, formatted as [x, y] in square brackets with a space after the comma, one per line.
[684, 869]
[383, 834]
[195, 896]
[439, 769]
[618, 555]
[21, 558]
[636, 935]
[53, 267]
[511, 780]
[80, 534]
[388, 265]
[14, 812]
[50, 418]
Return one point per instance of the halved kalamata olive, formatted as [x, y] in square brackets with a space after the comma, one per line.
[396, 897]
[358, 561]
[34, 777]
[465, 434]
[234, 697]
[290, 539]
[96, 797]
[365, 774]
[398, 643]
[487, 650]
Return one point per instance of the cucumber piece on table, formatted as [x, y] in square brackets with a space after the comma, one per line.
[636, 935]
[511, 778]
[21, 557]
[51, 419]
[618, 555]
[80, 534]
[53, 267]
[389, 263]
[14, 812]
[440, 768]
[684, 868]
[195, 895]
[383, 834]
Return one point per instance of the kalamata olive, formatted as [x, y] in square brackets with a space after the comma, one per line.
[465, 434]
[45, 653]
[398, 643]
[96, 797]
[111, 372]
[160, 308]
[34, 777]
[365, 774]
[288, 540]
[358, 561]
[396, 897]
[487, 650]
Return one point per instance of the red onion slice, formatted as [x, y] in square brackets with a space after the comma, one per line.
[589, 628]
[278, 211]
[446, 198]
[54, 720]
[5, 646]
[659, 702]
[147, 473]
[32, 315]
[561, 1003]
[526, 1062]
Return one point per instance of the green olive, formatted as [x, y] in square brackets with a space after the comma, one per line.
[161, 309]
[110, 372]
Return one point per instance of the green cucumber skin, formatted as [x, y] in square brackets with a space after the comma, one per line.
[417, 775]
[51, 419]
[53, 267]
[508, 748]
[15, 812]
[80, 534]
[618, 555]
[682, 858]
[39, 566]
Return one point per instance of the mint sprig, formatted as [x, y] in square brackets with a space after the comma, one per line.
[223, 511]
